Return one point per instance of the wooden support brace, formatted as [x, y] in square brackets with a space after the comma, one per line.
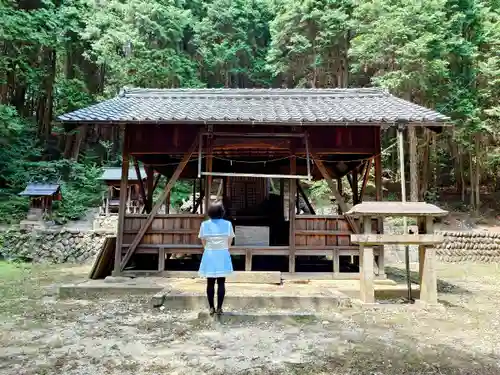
[340, 200]
[366, 176]
[161, 200]
[142, 188]
[306, 200]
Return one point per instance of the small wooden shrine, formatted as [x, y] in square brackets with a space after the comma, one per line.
[250, 140]
[41, 197]
[111, 201]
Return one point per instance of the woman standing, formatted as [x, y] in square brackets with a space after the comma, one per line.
[216, 235]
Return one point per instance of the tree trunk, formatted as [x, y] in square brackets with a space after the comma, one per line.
[471, 181]
[478, 172]
[426, 166]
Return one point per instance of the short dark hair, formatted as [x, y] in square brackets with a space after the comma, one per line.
[216, 211]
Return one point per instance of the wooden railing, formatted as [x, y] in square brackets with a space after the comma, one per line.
[167, 230]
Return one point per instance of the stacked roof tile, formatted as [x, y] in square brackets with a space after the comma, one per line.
[292, 106]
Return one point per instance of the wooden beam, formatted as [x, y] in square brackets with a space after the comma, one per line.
[340, 200]
[306, 200]
[397, 239]
[123, 201]
[142, 188]
[161, 200]
[366, 176]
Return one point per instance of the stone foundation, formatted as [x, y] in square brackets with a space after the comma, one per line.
[50, 245]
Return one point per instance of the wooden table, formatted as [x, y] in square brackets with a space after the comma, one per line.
[425, 214]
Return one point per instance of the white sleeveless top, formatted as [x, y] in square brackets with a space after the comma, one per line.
[216, 234]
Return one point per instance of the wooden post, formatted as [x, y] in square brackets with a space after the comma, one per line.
[366, 274]
[336, 262]
[292, 195]
[339, 187]
[129, 196]
[355, 190]
[366, 176]
[248, 260]
[108, 197]
[428, 291]
[194, 195]
[202, 194]
[282, 196]
[161, 259]
[161, 200]
[150, 185]
[208, 179]
[379, 197]
[123, 200]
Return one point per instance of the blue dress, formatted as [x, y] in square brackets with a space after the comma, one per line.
[216, 260]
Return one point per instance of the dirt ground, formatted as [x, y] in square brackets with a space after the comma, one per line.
[40, 334]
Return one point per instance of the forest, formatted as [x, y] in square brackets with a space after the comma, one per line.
[60, 55]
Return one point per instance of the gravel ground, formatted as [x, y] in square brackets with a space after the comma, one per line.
[40, 334]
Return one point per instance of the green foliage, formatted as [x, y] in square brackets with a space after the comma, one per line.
[60, 56]
[180, 192]
[81, 190]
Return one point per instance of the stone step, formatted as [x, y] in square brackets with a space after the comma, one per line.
[313, 304]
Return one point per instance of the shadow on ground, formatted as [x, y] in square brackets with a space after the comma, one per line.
[375, 357]
[399, 276]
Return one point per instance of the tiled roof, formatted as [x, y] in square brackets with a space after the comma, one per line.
[115, 174]
[302, 106]
[40, 190]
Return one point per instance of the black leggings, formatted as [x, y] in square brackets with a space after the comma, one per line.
[221, 291]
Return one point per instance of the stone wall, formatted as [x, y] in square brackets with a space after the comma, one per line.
[457, 247]
[469, 246]
[52, 245]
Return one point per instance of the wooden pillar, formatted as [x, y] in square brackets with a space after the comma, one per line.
[200, 184]
[355, 190]
[108, 197]
[292, 195]
[167, 204]
[248, 260]
[208, 179]
[339, 187]
[428, 288]
[161, 259]
[379, 197]
[194, 195]
[128, 189]
[122, 207]
[150, 186]
[366, 274]
[282, 196]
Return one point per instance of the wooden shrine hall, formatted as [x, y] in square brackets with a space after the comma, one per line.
[246, 139]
